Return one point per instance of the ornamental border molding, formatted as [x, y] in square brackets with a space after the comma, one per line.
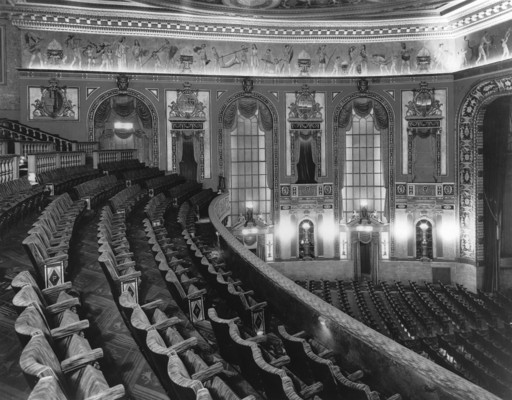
[338, 158]
[139, 96]
[175, 25]
[469, 128]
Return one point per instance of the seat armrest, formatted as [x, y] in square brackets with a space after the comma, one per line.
[73, 363]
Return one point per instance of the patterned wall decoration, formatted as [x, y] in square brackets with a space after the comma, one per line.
[305, 111]
[338, 159]
[203, 99]
[90, 52]
[421, 124]
[470, 136]
[54, 101]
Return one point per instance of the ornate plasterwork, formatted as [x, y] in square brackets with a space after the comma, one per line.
[139, 96]
[338, 159]
[470, 136]
[293, 27]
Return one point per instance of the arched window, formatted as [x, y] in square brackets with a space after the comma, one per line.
[364, 177]
[248, 124]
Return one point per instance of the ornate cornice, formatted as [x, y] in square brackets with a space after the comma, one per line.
[243, 28]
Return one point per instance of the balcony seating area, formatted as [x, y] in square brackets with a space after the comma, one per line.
[464, 332]
[17, 198]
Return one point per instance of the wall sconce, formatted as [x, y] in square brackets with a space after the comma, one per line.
[322, 321]
[125, 126]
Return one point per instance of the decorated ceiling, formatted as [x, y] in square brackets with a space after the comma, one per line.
[292, 10]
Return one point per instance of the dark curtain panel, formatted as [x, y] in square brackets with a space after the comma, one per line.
[144, 115]
[496, 130]
[102, 114]
[123, 105]
[306, 167]
[188, 164]
[230, 116]
[265, 118]
[363, 106]
[247, 107]
[345, 118]
[381, 116]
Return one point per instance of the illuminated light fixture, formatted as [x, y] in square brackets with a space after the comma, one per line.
[306, 225]
[364, 203]
[322, 321]
[423, 226]
[123, 125]
[285, 230]
[259, 333]
[402, 231]
[448, 230]
[364, 228]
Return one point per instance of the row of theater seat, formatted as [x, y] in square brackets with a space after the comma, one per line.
[49, 238]
[128, 198]
[17, 198]
[162, 184]
[64, 179]
[141, 175]
[115, 256]
[57, 359]
[186, 370]
[118, 168]
[99, 189]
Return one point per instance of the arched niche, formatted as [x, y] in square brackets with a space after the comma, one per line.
[271, 143]
[145, 129]
[469, 127]
[339, 157]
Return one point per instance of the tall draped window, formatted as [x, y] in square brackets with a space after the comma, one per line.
[249, 175]
[365, 169]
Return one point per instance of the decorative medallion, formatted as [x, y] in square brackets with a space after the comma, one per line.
[187, 104]
[305, 106]
[53, 102]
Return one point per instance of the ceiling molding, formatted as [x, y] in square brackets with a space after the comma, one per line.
[169, 25]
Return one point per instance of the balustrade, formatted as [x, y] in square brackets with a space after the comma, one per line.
[106, 156]
[24, 148]
[9, 168]
[10, 129]
[42, 162]
[87, 147]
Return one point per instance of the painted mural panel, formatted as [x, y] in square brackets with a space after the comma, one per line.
[77, 51]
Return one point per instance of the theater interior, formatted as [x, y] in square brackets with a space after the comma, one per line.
[256, 199]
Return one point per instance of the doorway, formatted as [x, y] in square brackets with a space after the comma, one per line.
[306, 240]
